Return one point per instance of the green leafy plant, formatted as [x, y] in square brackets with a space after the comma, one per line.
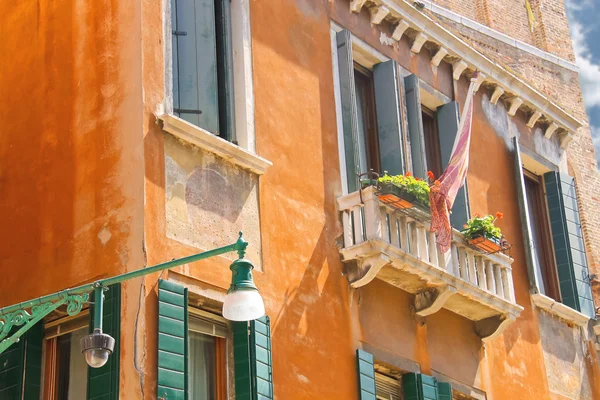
[483, 226]
[413, 186]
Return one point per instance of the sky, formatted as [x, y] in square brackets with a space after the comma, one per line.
[585, 31]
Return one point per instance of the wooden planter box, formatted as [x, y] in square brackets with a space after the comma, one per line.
[401, 200]
[487, 245]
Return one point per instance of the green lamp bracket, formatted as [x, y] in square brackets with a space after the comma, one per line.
[28, 313]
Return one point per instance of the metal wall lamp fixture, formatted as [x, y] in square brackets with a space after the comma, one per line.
[242, 303]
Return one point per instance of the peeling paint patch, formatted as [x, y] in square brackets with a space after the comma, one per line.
[499, 119]
[104, 235]
[386, 40]
[549, 149]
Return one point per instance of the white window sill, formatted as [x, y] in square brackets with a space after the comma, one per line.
[209, 142]
[559, 309]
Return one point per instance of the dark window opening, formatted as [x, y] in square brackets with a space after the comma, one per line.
[368, 144]
[433, 151]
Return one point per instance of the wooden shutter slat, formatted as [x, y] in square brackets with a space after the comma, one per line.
[415, 126]
[172, 341]
[387, 102]
[366, 375]
[448, 121]
[32, 385]
[444, 391]
[569, 247]
[103, 382]
[349, 108]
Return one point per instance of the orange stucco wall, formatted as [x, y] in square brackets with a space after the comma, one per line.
[82, 167]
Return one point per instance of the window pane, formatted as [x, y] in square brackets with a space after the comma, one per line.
[72, 368]
[362, 124]
[532, 198]
[203, 366]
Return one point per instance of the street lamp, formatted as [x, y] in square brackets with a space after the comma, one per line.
[243, 302]
[97, 346]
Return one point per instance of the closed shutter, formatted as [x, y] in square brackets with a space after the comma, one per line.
[225, 70]
[415, 126]
[448, 120]
[525, 219]
[387, 103]
[195, 63]
[252, 359]
[349, 110]
[424, 387]
[366, 375]
[20, 366]
[103, 382]
[172, 341]
[387, 388]
[569, 247]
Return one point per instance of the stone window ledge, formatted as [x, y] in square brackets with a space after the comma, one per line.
[559, 309]
[209, 142]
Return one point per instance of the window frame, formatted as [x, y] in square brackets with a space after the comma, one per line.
[364, 77]
[433, 151]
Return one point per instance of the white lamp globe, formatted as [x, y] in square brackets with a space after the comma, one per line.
[243, 305]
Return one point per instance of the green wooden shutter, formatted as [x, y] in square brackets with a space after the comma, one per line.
[448, 120]
[21, 366]
[349, 110]
[415, 126]
[387, 103]
[172, 341]
[103, 382]
[253, 366]
[525, 218]
[569, 247]
[225, 70]
[444, 391]
[196, 61]
[366, 375]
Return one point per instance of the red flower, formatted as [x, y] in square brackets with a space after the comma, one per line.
[430, 175]
[499, 215]
[477, 215]
[408, 173]
[417, 179]
[436, 183]
[465, 226]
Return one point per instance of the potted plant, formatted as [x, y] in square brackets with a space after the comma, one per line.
[482, 233]
[404, 191]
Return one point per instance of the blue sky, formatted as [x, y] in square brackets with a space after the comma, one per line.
[585, 30]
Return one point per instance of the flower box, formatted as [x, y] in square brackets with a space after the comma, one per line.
[487, 245]
[400, 199]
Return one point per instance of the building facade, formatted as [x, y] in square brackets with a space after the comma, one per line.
[144, 131]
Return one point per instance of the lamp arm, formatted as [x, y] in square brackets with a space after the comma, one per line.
[28, 313]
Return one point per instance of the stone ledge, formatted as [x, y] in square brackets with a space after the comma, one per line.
[209, 142]
[559, 309]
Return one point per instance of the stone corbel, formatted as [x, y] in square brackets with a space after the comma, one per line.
[498, 92]
[533, 119]
[480, 78]
[418, 43]
[492, 327]
[399, 30]
[356, 5]
[439, 56]
[458, 68]
[550, 130]
[432, 300]
[514, 105]
[378, 13]
[565, 138]
[366, 269]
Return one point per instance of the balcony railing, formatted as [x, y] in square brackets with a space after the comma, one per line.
[383, 242]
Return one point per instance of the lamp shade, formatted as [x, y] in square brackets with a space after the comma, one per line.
[243, 305]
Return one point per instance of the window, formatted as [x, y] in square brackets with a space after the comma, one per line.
[433, 152]
[65, 371]
[367, 120]
[202, 65]
[207, 358]
[541, 237]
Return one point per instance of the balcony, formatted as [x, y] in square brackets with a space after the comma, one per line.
[386, 243]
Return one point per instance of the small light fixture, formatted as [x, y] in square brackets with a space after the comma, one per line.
[97, 346]
[243, 302]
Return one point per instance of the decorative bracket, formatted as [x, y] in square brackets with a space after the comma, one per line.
[30, 318]
[367, 269]
[433, 299]
[492, 327]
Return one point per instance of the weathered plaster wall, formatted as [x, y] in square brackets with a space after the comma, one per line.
[71, 156]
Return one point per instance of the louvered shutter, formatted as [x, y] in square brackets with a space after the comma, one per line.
[366, 375]
[20, 366]
[569, 247]
[424, 387]
[415, 126]
[195, 63]
[172, 341]
[387, 103]
[387, 388]
[448, 120]
[349, 110]
[444, 391]
[525, 219]
[252, 359]
[103, 382]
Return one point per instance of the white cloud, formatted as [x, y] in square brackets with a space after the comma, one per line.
[589, 73]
